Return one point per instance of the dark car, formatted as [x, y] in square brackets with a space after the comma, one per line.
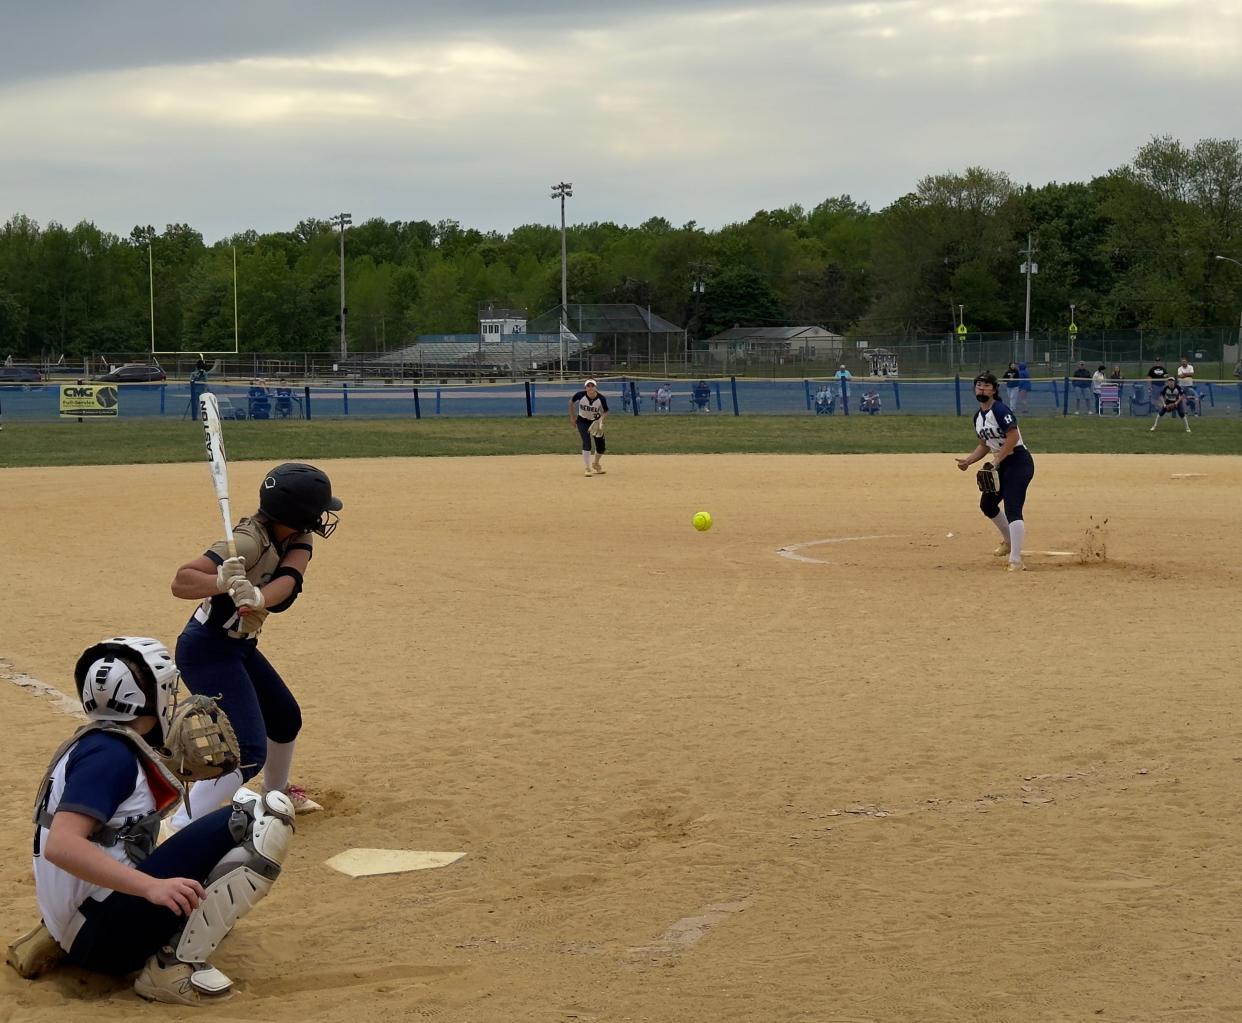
[134, 374]
[19, 375]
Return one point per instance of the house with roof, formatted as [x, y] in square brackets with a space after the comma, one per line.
[775, 343]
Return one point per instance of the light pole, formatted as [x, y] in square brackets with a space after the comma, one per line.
[151, 291]
[236, 330]
[1028, 267]
[564, 190]
[1073, 332]
[1230, 259]
[342, 220]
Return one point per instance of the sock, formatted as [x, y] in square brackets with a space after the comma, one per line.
[276, 766]
[1017, 533]
[1002, 525]
[586, 459]
[205, 796]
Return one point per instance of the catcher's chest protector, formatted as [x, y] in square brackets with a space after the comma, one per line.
[139, 835]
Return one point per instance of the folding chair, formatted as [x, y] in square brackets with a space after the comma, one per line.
[1109, 400]
[1140, 398]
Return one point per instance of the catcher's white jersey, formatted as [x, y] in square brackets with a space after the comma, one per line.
[994, 424]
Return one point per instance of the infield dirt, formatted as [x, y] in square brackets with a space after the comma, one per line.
[696, 779]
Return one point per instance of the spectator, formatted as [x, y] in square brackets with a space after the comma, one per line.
[702, 396]
[1024, 387]
[824, 400]
[1157, 375]
[1186, 381]
[1097, 381]
[842, 373]
[663, 398]
[1010, 376]
[1082, 388]
[870, 403]
[1115, 374]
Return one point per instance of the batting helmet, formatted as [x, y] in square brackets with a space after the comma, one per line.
[127, 677]
[299, 496]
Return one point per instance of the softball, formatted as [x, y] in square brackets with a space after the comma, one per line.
[702, 521]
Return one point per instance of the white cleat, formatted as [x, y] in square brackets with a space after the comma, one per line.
[1016, 566]
[1002, 551]
[588, 474]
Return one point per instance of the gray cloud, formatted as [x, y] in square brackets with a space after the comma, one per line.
[704, 111]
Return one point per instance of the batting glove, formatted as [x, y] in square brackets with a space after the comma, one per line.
[233, 568]
[246, 594]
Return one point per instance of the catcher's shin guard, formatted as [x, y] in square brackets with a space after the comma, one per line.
[263, 827]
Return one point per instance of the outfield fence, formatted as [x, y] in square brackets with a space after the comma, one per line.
[728, 396]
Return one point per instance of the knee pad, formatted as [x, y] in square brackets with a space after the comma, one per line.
[263, 828]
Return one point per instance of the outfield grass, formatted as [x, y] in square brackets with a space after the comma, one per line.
[141, 441]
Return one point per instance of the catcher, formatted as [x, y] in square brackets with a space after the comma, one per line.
[587, 411]
[111, 900]
[1004, 479]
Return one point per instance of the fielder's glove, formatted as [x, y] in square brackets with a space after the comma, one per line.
[246, 594]
[988, 479]
[200, 743]
[596, 429]
[228, 570]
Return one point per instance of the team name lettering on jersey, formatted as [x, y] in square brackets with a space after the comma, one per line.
[993, 425]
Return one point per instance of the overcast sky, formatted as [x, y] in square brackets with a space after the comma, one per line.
[230, 115]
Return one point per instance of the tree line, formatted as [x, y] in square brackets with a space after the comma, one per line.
[1134, 248]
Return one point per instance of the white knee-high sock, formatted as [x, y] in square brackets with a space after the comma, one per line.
[205, 796]
[276, 766]
[586, 459]
[1017, 533]
[1002, 524]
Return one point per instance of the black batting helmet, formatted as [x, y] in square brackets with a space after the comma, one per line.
[299, 496]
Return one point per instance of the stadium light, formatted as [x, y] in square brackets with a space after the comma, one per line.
[563, 191]
[1230, 259]
[342, 221]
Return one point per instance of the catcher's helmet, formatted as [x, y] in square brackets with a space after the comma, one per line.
[126, 677]
[299, 496]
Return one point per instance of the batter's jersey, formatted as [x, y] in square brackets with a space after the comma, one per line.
[258, 549]
[100, 777]
[993, 425]
[589, 409]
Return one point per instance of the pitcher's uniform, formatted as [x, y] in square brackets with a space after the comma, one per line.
[1016, 471]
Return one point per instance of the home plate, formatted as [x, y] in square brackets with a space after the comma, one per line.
[374, 862]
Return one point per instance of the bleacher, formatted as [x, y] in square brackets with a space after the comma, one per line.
[517, 354]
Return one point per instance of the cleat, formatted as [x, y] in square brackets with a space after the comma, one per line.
[587, 474]
[1015, 566]
[302, 803]
[177, 983]
[1002, 551]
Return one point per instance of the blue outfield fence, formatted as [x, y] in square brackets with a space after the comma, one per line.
[731, 396]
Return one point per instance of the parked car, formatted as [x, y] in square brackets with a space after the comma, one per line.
[19, 375]
[133, 374]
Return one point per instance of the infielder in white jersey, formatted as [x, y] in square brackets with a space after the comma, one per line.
[587, 411]
[1001, 440]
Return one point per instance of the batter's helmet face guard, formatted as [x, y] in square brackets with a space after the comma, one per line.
[300, 496]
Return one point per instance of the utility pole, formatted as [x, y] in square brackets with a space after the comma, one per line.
[342, 221]
[1230, 259]
[564, 190]
[1029, 267]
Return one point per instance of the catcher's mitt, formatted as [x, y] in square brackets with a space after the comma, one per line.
[596, 429]
[200, 743]
[988, 479]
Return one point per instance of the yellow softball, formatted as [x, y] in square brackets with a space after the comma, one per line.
[702, 521]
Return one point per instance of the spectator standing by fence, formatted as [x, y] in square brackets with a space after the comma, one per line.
[1010, 376]
[1157, 375]
[1024, 387]
[1098, 380]
[1186, 381]
[1082, 388]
